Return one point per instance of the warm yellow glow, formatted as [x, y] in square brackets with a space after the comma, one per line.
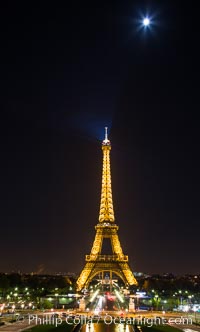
[106, 206]
[106, 228]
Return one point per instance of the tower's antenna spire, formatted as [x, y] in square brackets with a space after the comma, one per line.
[106, 133]
[106, 140]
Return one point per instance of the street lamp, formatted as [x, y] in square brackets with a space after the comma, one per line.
[156, 298]
[56, 295]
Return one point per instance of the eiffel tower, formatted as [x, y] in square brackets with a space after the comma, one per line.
[96, 263]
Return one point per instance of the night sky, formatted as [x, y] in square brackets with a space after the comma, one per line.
[66, 72]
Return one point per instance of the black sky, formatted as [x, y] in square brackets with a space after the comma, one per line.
[66, 72]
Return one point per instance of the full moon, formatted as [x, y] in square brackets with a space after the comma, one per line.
[146, 21]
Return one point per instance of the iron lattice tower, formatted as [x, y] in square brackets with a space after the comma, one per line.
[106, 228]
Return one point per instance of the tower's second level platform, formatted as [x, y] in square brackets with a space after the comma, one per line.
[106, 258]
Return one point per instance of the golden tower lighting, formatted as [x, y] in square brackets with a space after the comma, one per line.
[97, 263]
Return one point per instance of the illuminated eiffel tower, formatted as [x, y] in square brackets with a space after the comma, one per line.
[96, 263]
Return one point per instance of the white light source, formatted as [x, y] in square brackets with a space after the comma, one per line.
[94, 295]
[146, 21]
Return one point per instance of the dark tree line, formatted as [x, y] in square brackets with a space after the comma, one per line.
[170, 284]
[42, 283]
